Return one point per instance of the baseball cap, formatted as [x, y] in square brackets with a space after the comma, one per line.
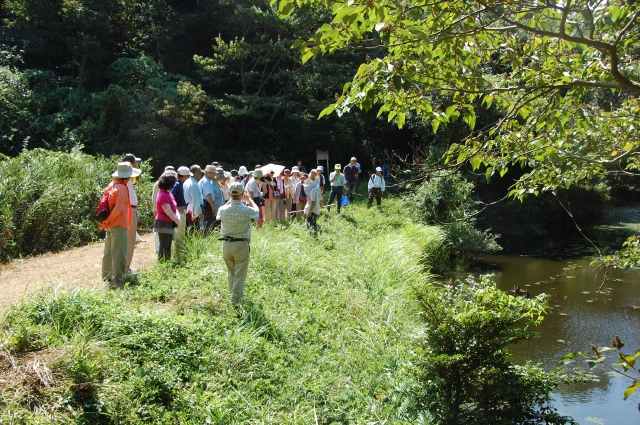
[236, 188]
[184, 171]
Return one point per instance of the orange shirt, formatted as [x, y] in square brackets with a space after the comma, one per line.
[120, 214]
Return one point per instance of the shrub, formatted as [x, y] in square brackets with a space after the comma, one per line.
[462, 358]
[48, 200]
[445, 200]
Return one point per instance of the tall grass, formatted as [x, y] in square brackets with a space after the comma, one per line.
[48, 200]
[323, 336]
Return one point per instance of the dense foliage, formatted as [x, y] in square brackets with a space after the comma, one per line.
[179, 81]
[463, 367]
[446, 200]
[564, 76]
[48, 200]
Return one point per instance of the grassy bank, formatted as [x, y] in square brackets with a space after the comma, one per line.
[48, 200]
[324, 337]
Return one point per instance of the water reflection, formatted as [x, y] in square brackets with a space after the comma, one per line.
[578, 315]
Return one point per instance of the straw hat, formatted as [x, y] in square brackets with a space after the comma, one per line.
[210, 169]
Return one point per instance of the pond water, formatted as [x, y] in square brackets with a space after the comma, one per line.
[578, 315]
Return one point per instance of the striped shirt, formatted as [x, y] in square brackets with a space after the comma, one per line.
[236, 219]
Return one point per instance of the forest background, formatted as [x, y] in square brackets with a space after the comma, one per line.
[182, 82]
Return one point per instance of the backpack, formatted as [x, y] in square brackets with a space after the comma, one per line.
[103, 210]
[303, 195]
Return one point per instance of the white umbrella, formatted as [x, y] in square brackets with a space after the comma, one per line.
[266, 169]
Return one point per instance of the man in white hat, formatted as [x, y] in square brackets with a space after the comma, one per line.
[212, 197]
[236, 234]
[133, 200]
[117, 223]
[181, 202]
[192, 195]
[376, 187]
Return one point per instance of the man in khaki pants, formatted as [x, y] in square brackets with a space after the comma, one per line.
[133, 200]
[236, 219]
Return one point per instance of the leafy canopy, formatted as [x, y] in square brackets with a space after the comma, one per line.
[564, 76]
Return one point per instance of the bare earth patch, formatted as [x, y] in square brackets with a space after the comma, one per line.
[74, 268]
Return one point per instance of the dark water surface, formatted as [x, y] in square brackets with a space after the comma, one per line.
[578, 315]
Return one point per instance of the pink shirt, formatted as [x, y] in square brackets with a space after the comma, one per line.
[165, 197]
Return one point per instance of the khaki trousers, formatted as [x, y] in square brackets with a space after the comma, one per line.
[115, 253]
[270, 209]
[236, 257]
[131, 237]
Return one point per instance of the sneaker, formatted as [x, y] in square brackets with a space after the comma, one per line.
[129, 272]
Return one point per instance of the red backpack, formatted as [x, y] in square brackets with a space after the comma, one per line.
[103, 206]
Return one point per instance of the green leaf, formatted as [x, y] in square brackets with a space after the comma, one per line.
[397, 82]
[286, 8]
[594, 361]
[631, 389]
[476, 162]
[488, 173]
[470, 118]
[362, 69]
[450, 110]
[307, 55]
[630, 360]
[570, 358]
[435, 123]
[401, 118]
[344, 14]
[329, 109]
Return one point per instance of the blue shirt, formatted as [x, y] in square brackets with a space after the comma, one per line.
[178, 194]
[209, 187]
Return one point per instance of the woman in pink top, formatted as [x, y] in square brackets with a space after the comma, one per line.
[166, 217]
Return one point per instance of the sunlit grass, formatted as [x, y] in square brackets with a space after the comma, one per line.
[323, 335]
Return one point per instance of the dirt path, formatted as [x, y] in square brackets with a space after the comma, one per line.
[75, 268]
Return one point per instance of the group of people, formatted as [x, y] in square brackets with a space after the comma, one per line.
[212, 197]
